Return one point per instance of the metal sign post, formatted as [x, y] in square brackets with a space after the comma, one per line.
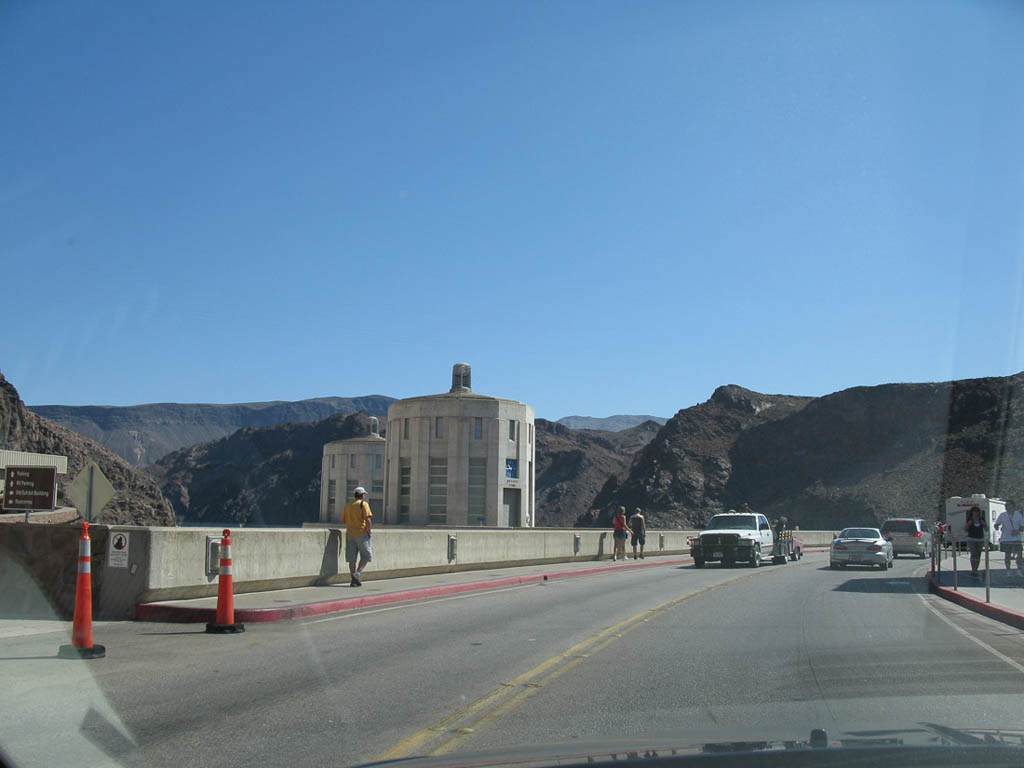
[956, 546]
[988, 580]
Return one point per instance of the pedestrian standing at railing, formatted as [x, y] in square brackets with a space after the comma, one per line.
[638, 530]
[976, 531]
[619, 534]
[1010, 522]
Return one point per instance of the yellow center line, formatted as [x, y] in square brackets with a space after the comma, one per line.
[449, 732]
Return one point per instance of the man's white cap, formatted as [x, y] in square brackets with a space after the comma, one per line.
[360, 491]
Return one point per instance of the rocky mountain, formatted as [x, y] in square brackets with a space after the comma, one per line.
[574, 464]
[609, 423]
[143, 434]
[853, 457]
[138, 500]
[266, 476]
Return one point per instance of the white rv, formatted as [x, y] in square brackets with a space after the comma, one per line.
[956, 516]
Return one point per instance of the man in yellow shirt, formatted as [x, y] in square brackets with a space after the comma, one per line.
[358, 526]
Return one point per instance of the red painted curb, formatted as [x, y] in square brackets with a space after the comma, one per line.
[185, 614]
[997, 612]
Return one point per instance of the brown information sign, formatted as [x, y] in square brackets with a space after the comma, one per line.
[30, 488]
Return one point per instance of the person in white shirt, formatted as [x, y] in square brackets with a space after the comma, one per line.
[1010, 523]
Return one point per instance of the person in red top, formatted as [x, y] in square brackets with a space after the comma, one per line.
[620, 534]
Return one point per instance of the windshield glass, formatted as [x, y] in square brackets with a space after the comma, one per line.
[899, 526]
[337, 334]
[860, 533]
[732, 521]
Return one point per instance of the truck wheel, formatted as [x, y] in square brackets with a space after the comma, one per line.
[755, 559]
[698, 563]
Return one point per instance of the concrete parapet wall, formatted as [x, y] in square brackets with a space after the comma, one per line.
[38, 563]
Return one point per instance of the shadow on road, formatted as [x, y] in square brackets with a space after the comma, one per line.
[884, 584]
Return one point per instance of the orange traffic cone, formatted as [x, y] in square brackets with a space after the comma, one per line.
[81, 629]
[225, 622]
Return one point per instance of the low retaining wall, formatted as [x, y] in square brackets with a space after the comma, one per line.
[38, 562]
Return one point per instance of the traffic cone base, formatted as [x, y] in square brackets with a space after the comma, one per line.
[74, 652]
[224, 629]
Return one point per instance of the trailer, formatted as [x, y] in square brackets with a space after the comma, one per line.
[956, 517]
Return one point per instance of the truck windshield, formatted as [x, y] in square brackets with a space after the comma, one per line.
[732, 521]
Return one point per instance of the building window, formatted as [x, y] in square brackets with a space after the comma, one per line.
[378, 461]
[437, 492]
[511, 429]
[332, 461]
[477, 492]
[378, 485]
[405, 429]
[439, 427]
[352, 461]
[404, 489]
[332, 495]
[478, 428]
[511, 468]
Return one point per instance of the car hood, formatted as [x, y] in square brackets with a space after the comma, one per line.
[974, 745]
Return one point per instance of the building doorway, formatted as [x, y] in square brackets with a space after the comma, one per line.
[510, 501]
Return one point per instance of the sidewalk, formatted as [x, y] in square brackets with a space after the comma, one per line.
[281, 604]
[1006, 590]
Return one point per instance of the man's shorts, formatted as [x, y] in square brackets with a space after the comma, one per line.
[638, 539]
[1013, 547]
[356, 546]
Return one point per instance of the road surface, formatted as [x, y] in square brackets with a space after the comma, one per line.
[665, 652]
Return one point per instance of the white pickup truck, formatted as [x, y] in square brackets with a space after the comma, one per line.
[743, 537]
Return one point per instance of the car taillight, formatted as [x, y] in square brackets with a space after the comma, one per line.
[839, 546]
[874, 548]
[916, 534]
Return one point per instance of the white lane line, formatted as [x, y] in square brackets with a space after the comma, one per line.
[414, 602]
[972, 638]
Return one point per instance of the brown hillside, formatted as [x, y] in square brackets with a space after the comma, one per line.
[138, 500]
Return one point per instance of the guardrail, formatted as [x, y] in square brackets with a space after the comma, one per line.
[134, 564]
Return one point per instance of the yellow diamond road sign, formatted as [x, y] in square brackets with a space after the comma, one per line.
[90, 491]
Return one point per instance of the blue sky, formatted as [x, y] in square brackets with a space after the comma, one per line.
[604, 207]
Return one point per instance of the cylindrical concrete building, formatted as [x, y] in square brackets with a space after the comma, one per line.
[347, 465]
[460, 458]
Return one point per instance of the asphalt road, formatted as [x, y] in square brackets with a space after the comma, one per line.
[663, 652]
